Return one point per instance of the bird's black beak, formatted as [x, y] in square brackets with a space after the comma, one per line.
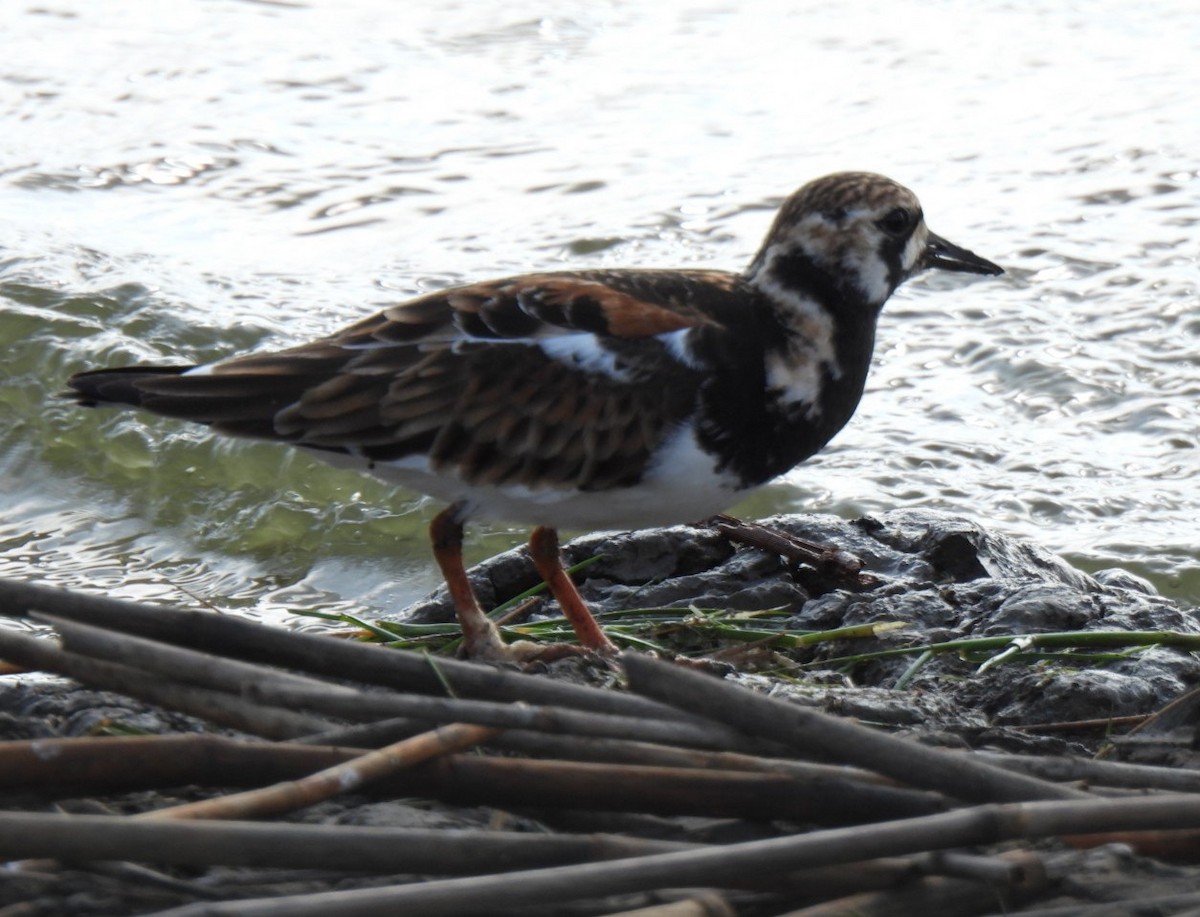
[949, 257]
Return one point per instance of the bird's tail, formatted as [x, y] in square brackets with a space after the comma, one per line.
[117, 386]
[243, 403]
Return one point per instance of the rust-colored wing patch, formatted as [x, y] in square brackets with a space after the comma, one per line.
[606, 303]
[592, 305]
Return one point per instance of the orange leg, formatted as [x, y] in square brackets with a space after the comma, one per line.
[543, 548]
[481, 640]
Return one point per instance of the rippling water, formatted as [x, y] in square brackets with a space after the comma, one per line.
[186, 182]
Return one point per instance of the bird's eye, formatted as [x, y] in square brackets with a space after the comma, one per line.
[897, 222]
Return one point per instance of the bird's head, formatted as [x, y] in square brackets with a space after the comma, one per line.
[861, 232]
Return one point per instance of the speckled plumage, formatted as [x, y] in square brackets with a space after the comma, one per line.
[607, 398]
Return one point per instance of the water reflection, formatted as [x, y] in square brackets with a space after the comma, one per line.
[244, 174]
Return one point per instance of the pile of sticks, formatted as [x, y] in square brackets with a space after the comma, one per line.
[841, 818]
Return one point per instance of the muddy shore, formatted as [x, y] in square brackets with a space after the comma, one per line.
[946, 580]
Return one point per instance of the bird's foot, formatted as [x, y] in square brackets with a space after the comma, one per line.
[526, 653]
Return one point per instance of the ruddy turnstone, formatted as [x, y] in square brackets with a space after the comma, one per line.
[591, 399]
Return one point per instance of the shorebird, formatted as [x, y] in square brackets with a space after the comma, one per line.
[595, 399]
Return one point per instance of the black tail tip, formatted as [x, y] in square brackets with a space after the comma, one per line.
[94, 387]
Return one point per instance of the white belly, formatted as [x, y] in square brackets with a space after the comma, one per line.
[682, 485]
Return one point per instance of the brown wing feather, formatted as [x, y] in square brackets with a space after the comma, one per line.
[609, 303]
[459, 375]
[495, 414]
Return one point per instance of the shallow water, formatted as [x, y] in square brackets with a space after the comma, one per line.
[184, 185]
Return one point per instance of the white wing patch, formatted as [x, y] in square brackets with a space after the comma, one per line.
[679, 346]
[584, 352]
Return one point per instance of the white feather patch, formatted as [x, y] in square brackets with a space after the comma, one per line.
[584, 352]
[679, 346]
[681, 485]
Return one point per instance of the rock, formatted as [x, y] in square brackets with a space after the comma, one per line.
[945, 577]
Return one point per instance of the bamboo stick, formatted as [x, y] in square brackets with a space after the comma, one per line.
[626, 751]
[807, 731]
[727, 865]
[1103, 773]
[363, 705]
[214, 706]
[345, 777]
[100, 764]
[468, 779]
[141, 762]
[707, 903]
[353, 848]
[232, 636]
[275, 689]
